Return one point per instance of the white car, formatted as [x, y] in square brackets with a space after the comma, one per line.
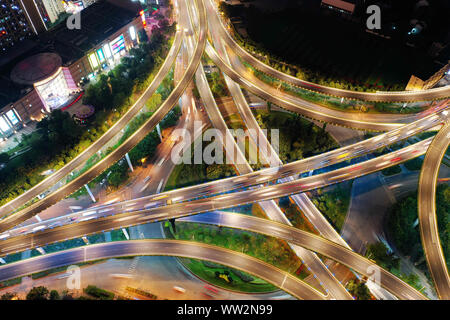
[179, 289]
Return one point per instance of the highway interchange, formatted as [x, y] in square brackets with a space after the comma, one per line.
[280, 180]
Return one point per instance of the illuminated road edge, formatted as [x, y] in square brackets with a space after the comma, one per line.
[155, 247]
[429, 231]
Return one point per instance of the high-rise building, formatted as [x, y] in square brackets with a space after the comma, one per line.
[49, 10]
[20, 19]
[15, 25]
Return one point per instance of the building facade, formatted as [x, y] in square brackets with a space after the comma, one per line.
[60, 85]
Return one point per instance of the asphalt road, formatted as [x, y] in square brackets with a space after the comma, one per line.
[429, 231]
[47, 236]
[268, 155]
[261, 194]
[377, 122]
[21, 216]
[265, 271]
[270, 228]
[189, 197]
[322, 160]
[305, 239]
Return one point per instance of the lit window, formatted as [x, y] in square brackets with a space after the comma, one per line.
[93, 60]
[100, 55]
[107, 51]
[132, 33]
[4, 126]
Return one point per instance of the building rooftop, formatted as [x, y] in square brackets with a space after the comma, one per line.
[36, 68]
[348, 5]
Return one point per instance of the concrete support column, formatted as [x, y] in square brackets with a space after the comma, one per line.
[90, 193]
[129, 162]
[125, 233]
[158, 128]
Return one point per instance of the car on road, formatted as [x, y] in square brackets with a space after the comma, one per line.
[179, 289]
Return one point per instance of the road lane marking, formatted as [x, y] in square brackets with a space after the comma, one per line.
[284, 280]
[159, 186]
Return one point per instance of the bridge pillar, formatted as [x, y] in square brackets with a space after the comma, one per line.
[129, 162]
[90, 193]
[158, 128]
[125, 233]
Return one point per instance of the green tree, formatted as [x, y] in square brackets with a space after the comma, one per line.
[116, 178]
[8, 296]
[359, 290]
[379, 252]
[38, 293]
[54, 295]
[66, 295]
[4, 157]
[142, 34]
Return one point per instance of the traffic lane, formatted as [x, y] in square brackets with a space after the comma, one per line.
[177, 210]
[244, 110]
[251, 195]
[310, 241]
[296, 236]
[327, 159]
[269, 207]
[366, 117]
[283, 100]
[275, 276]
[427, 212]
[310, 259]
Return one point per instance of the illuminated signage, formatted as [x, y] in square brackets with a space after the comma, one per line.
[93, 60]
[144, 21]
[100, 55]
[12, 117]
[118, 44]
[107, 51]
[132, 33]
[4, 126]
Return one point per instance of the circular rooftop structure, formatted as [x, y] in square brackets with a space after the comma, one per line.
[36, 68]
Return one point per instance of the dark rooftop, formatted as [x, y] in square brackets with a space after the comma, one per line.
[36, 68]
